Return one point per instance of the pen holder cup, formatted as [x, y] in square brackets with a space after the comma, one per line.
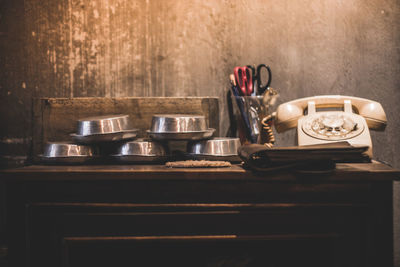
[248, 112]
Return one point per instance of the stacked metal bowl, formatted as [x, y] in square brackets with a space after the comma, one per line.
[193, 128]
[218, 148]
[105, 139]
[92, 135]
[68, 153]
[179, 127]
[143, 151]
[104, 129]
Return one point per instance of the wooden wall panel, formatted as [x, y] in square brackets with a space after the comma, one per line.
[55, 119]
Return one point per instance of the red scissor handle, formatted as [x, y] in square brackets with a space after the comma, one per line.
[244, 80]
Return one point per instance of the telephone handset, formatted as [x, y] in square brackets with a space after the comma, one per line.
[331, 126]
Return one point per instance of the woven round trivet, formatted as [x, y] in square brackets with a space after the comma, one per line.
[197, 164]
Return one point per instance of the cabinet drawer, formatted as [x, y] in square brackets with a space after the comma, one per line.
[278, 251]
[72, 229]
[102, 219]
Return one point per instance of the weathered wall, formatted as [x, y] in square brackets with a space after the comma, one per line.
[116, 48]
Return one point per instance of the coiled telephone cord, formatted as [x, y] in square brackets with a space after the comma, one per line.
[269, 137]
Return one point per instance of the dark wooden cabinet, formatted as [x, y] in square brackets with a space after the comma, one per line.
[153, 216]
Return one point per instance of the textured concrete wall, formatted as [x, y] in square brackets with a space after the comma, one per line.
[116, 48]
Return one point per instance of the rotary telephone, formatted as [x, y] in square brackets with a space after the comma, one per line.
[319, 127]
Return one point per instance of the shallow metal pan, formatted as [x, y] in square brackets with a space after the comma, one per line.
[139, 159]
[110, 137]
[67, 160]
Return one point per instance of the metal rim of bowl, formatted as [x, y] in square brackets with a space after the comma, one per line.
[99, 134]
[61, 157]
[139, 158]
[66, 160]
[231, 158]
[199, 135]
[109, 137]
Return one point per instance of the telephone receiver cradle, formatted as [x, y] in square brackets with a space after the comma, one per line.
[316, 127]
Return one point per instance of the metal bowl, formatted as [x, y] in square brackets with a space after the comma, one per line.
[219, 146]
[142, 147]
[103, 125]
[141, 150]
[64, 152]
[64, 149]
[177, 123]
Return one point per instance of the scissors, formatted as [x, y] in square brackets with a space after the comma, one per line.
[257, 83]
[244, 80]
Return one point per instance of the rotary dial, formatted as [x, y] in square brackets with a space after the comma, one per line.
[331, 126]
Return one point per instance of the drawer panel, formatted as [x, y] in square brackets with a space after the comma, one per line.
[229, 251]
[71, 230]
[97, 219]
[193, 191]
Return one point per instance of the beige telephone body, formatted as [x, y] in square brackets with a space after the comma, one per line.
[350, 125]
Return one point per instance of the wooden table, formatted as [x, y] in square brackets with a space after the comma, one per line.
[150, 215]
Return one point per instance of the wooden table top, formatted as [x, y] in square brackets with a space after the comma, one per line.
[344, 172]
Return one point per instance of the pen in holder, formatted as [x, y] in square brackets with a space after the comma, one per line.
[250, 113]
[247, 112]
